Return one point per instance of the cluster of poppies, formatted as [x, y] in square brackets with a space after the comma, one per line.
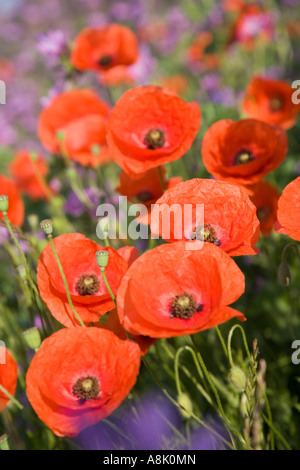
[83, 372]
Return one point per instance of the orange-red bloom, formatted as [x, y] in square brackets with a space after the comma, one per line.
[88, 292]
[150, 126]
[16, 209]
[252, 23]
[228, 218]
[197, 51]
[265, 198]
[81, 117]
[171, 291]
[29, 174]
[288, 213]
[102, 48]
[146, 188]
[271, 101]
[243, 152]
[79, 376]
[8, 375]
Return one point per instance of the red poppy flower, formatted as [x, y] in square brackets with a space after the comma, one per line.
[175, 83]
[265, 198]
[171, 291]
[88, 292]
[118, 75]
[228, 219]
[8, 375]
[16, 209]
[271, 101]
[197, 51]
[252, 23]
[150, 126]
[146, 188]
[113, 324]
[81, 116]
[29, 174]
[243, 152]
[102, 48]
[288, 214]
[79, 376]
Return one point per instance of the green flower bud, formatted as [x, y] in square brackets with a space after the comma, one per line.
[71, 174]
[46, 226]
[22, 272]
[284, 274]
[102, 258]
[4, 203]
[33, 156]
[32, 338]
[4, 442]
[33, 221]
[238, 378]
[185, 401]
[95, 149]
[60, 135]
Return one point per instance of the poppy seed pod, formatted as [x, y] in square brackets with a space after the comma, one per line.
[102, 258]
[46, 226]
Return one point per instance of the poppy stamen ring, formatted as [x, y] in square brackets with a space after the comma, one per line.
[155, 138]
[205, 233]
[276, 104]
[243, 156]
[184, 306]
[86, 388]
[87, 284]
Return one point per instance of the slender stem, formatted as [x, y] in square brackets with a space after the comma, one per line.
[178, 405]
[162, 182]
[12, 398]
[229, 344]
[222, 341]
[83, 198]
[64, 280]
[24, 260]
[290, 245]
[218, 400]
[107, 285]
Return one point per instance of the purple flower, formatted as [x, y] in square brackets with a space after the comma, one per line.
[144, 66]
[53, 45]
[76, 208]
[4, 235]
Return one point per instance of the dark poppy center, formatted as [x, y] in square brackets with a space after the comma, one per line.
[86, 388]
[205, 233]
[155, 138]
[276, 104]
[263, 213]
[88, 284]
[243, 156]
[144, 196]
[184, 306]
[105, 60]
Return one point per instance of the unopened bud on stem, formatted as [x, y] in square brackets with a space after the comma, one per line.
[4, 203]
